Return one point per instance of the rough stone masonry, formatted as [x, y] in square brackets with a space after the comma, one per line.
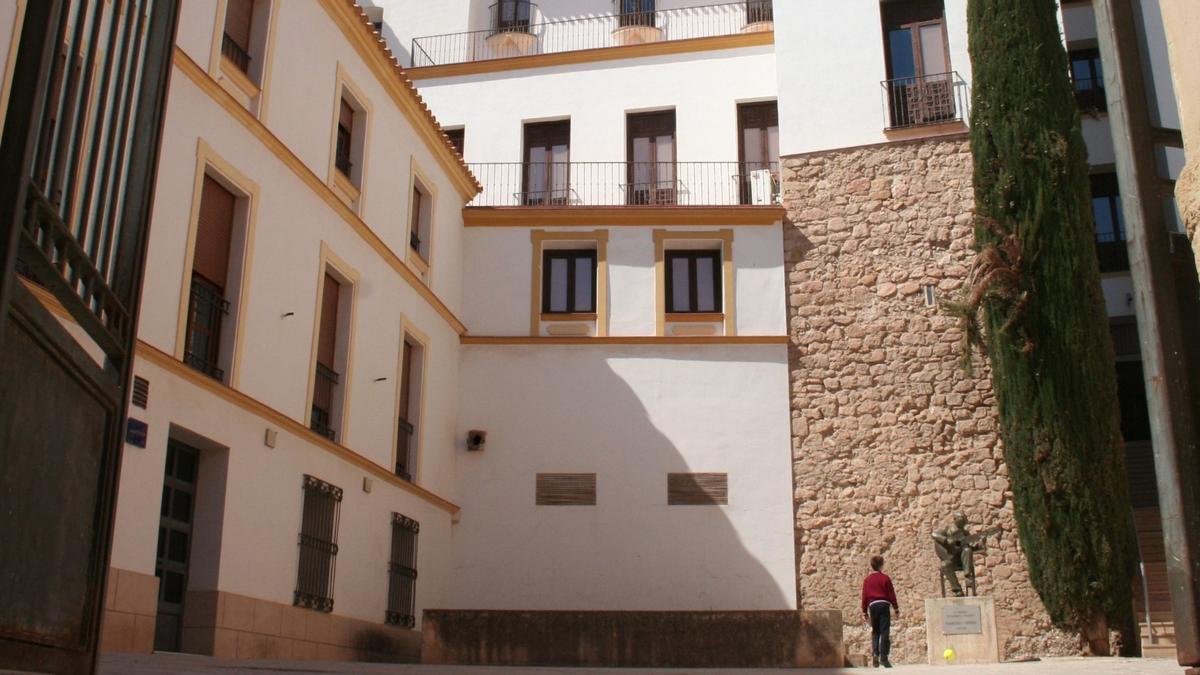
[890, 434]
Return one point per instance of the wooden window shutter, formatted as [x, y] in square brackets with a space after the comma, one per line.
[213, 232]
[239, 16]
[346, 116]
[685, 489]
[566, 489]
[327, 337]
[406, 379]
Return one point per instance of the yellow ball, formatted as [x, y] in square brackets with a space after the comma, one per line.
[949, 654]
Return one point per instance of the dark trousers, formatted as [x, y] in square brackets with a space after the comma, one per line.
[881, 627]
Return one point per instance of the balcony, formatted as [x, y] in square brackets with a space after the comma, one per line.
[518, 29]
[234, 52]
[925, 100]
[1112, 252]
[645, 184]
[325, 381]
[207, 308]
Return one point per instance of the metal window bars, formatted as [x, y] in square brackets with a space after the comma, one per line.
[231, 50]
[325, 380]
[629, 184]
[318, 545]
[341, 158]
[510, 34]
[206, 311]
[925, 99]
[402, 572]
[404, 443]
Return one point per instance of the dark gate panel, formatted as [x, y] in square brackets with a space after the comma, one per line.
[79, 157]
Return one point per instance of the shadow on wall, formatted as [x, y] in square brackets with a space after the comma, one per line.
[631, 415]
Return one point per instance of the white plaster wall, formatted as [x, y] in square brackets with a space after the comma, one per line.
[407, 19]
[498, 266]
[703, 87]
[1118, 294]
[1097, 136]
[631, 414]
[11, 15]
[830, 65]
[1079, 22]
[262, 506]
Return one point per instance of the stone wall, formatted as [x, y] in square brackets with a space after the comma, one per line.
[890, 435]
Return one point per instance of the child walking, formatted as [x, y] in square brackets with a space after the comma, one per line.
[878, 600]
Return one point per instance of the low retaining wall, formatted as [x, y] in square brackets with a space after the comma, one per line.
[764, 639]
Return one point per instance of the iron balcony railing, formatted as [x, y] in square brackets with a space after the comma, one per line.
[341, 156]
[206, 310]
[1112, 252]
[325, 381]
[925, 99]
[234, 52]
[516, 29]
[562, 184]
[1090, 94]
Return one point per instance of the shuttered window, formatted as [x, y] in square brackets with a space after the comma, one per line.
[566, 489]
[689, 489]
[406, 425]
[318, 545]
[325, 378]
[402, 572]
[213, 232]
[345, 138]
[239, 17]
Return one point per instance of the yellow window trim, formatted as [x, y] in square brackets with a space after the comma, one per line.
[216, 61]
[353, 23]
[423, 265]
[272, 143]
[157, 357]
[207, 160]
[331, 261]
[408, 330]
[725, 237]
[343, 85]
[539, 238]
[593, 55]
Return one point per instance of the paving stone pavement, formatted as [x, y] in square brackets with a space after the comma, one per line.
[185, 664]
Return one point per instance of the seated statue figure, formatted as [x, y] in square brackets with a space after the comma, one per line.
[956, 546]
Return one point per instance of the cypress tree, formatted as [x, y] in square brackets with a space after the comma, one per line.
[1035, 307]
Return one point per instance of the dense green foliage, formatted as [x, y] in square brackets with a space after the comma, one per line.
[1041, 318]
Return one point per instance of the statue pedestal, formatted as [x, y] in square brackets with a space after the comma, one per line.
[966, 625]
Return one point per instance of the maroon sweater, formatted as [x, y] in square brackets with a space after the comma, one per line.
[878, 586]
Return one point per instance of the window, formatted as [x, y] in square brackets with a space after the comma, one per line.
[565, 489]
[758, 151]
[326, 379]
[920, 86]
[420, 222]
[547, 174]
[402, 572]
[511, 16]
[696, 489]
[758, 11]
[1110, 223]
[458, 140]
[207, 306]
[412, 364]
[345, 139]
[650, 153]
[636, 13]
[1088, 77]
[569, 282]
[235, 43]
[693, 281]
[318, 545]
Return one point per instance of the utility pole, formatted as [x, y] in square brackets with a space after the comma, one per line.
[1169, 368]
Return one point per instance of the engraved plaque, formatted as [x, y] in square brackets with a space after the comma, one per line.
[961, 620]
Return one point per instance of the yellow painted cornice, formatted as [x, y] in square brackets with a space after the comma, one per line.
[630, 216]
[593, 55]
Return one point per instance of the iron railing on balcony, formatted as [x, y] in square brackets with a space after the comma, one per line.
[1090, 94]
[509, 34]
[925, 99]
[341, 156]
[325, 381]
[234, 52]
[206, 310]
[563, 184]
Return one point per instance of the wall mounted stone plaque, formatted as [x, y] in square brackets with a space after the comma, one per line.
[961, 620]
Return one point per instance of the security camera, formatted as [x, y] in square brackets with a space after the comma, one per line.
[476, 440]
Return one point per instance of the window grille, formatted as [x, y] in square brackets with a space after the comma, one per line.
[688, 489]
[402, 572]
[318, 545]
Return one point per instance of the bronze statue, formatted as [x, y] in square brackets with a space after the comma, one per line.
[955, 546]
